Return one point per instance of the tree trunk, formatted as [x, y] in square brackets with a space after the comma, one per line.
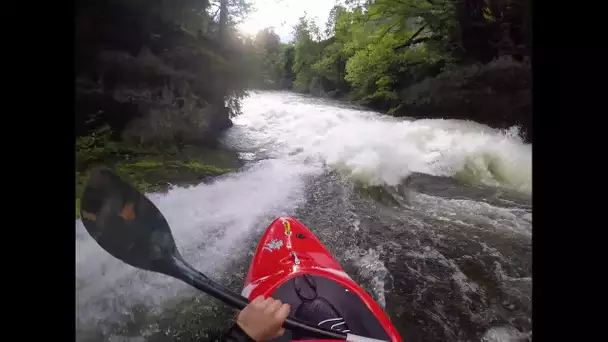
[223, 19]
[220, 100]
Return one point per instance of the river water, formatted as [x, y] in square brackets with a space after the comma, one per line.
[432, 217]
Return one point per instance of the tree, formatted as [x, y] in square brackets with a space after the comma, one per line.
[374, 50]
[307, 51]
[267, 59]
[286, 63]
[268, 40]
[136, 58]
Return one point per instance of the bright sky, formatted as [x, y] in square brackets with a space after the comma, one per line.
[284, 14]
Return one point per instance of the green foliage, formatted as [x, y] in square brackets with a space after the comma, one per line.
[140, 58]
[157, 175]
[365, 52]
[96, 147]
[286, 65]
[99, 148]
[266, 53]
[376, 49]
[307, 51]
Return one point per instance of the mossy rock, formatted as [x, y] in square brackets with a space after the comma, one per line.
[157, 175]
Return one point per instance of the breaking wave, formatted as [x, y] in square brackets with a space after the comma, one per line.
[382, 150]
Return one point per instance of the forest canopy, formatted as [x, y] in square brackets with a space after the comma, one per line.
[407, 57]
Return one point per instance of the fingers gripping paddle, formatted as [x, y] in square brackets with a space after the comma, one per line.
[128, 225]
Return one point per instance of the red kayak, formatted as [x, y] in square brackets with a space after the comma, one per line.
[292, 265]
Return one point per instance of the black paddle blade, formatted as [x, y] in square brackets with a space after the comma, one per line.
[126, 224]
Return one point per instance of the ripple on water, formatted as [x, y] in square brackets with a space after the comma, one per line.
[369, 266]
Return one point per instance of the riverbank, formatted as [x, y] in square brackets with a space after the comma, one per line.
[150, 168]
[497, 94]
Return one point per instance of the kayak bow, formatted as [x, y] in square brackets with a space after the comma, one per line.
[292, 265]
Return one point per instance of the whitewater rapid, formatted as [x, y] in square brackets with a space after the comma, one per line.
[307, 157]
[379, 149]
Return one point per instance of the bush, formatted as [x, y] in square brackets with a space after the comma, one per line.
[498, 94]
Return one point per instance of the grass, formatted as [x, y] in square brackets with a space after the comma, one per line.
[149, 168]
[150, 175]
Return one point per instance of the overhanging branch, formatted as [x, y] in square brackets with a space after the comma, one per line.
[412, 42]
[413, 39]
[390, 28]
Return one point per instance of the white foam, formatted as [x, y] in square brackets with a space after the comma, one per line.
[219, 215]
[379, 149]
[504, 334]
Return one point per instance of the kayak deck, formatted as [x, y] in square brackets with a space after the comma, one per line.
[292, 265]
[326, 304]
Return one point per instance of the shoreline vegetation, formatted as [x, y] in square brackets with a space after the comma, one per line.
[468, 60]
[157, 82]
[150, 168]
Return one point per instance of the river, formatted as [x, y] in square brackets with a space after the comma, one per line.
[432, 217]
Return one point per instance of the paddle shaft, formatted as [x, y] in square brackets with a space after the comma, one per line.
[193, 277]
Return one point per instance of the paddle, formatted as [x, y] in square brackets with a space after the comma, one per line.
[129, 226]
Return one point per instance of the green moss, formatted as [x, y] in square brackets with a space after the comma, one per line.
[150, 168]
[156, 175]
[197, 166]
[145, 164]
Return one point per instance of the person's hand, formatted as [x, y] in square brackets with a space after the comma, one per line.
[262, 319]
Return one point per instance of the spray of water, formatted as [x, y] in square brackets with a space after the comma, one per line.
[381, 150]
[210, 223]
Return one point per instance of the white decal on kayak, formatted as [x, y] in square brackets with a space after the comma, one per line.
[340, 321]
[274, 244]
